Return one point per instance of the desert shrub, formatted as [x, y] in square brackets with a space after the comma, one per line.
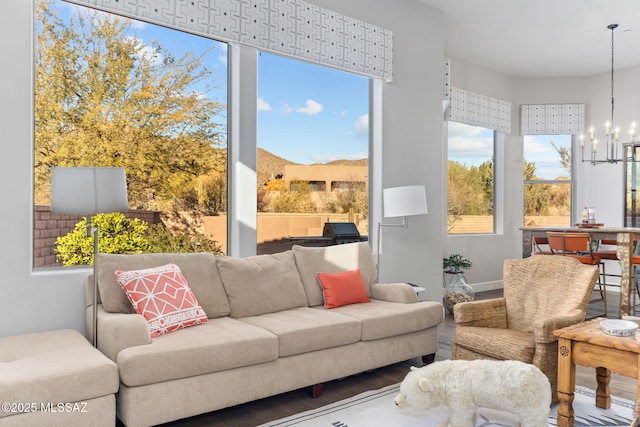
[162, 240]
[117, 235]
[121, 235]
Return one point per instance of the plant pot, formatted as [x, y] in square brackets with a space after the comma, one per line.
[458, 290]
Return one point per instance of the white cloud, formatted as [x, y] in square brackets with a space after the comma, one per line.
[286, 108]
[361, 126]
[312, 108]
[341, 114]
[263, 105]
[467, 145]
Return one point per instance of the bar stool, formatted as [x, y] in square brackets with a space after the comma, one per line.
[609, 255]
[579, 246]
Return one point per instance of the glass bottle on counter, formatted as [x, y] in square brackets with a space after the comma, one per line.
[585, 215]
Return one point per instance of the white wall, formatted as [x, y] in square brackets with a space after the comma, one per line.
[412, 154]
[488, 251]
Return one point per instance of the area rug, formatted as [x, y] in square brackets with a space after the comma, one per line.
[377, 409]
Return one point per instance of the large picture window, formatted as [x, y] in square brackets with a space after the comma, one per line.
[112, 91]
[470, 170]
[313, 145]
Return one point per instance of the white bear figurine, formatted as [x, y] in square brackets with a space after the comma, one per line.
[466, 385]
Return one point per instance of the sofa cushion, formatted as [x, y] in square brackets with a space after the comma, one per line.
[261, 284]
[163, 297]
[343, 288]
[382, 319]
[333, 259]
[199, 269]
[304, 329]
[221, 344]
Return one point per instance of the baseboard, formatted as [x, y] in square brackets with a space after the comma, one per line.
[487, 286]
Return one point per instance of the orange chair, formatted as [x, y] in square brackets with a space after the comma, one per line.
[537, 250]
[607, 253]
[580, 247]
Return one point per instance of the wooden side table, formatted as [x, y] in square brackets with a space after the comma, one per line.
[585, 344]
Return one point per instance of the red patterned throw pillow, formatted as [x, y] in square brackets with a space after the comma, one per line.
[343, 288]
[163, 297]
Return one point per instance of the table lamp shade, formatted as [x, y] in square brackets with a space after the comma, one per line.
[88, 190]
[404, 201]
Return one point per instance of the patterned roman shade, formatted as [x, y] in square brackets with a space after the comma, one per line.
[480, 110]
[551, 119]
[290, 27]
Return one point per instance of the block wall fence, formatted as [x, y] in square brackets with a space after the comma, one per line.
[274, 230]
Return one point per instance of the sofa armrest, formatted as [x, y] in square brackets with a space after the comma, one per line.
[394, 292]
[489, 313]
[543, 329]
[117, 331]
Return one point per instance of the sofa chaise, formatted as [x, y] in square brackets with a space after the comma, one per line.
[267, 330]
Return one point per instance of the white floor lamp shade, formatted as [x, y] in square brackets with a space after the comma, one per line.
[89, 191]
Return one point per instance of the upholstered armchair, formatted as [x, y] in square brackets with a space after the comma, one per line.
[542, 293]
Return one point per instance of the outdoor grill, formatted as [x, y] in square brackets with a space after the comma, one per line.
[342, 232]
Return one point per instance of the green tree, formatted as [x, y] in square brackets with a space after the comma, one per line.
[487, 180]
[103, 98]
[537, 198]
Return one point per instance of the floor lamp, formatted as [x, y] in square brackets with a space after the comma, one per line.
[401, 202]
[89, 191]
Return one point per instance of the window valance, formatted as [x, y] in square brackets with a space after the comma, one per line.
[290, 27]
[480, 110]
[551, 119]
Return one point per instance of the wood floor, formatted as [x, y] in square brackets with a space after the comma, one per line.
[272, 408]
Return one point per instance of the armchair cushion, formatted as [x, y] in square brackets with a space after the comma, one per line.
[497, 343]
[491, 313]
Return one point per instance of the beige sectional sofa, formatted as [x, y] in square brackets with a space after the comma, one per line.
[267, 331]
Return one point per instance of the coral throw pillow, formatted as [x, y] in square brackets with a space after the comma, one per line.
[343, 288]
[163, 297]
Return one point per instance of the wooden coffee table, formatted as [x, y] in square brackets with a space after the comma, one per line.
[585, 344]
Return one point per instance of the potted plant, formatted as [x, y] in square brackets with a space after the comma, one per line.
[457, 290]
[456, 263]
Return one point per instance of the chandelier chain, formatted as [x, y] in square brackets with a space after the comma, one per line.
[612, 68]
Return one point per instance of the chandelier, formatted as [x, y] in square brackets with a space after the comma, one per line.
[612, 149]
